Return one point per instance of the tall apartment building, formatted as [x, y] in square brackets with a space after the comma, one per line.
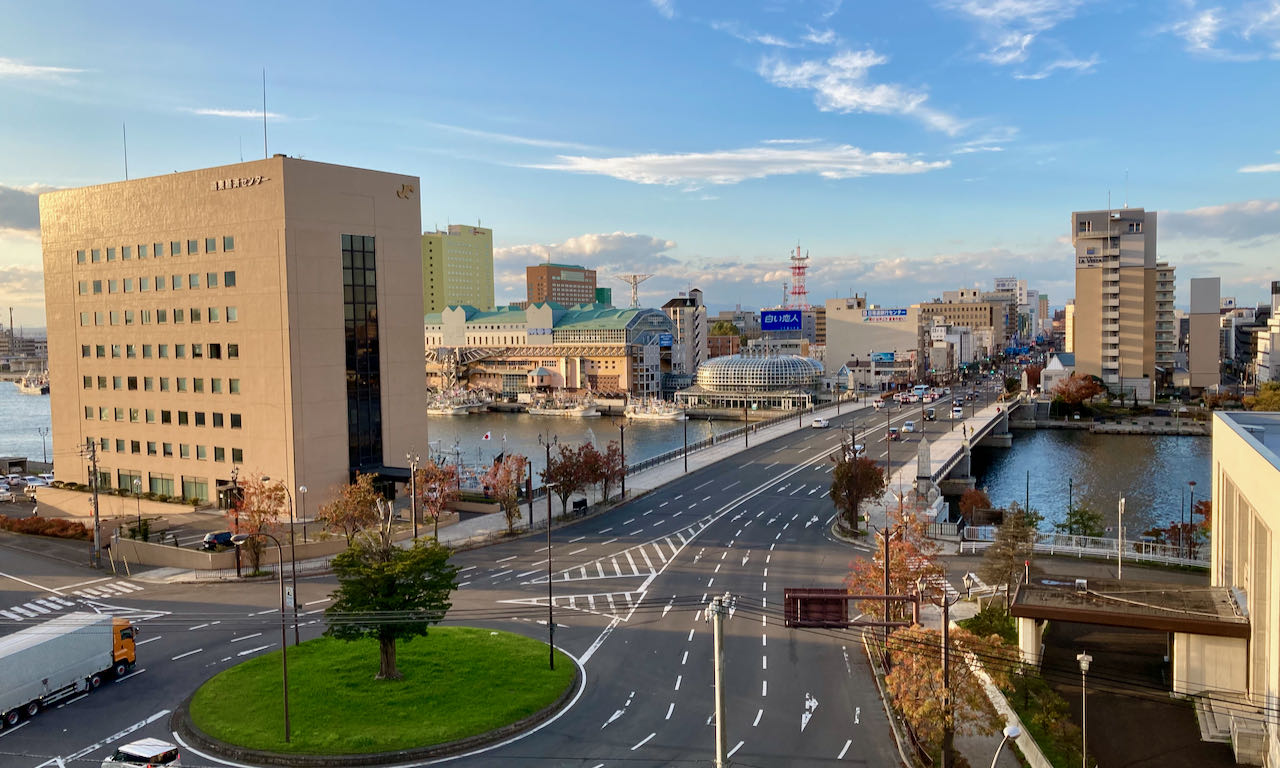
[1069, 327]
[1267, 363]
[689, 317]
[457, 268]
[1204, 349]
[264, 316]
[1165, 326]
[1116, 298]
[564, 284]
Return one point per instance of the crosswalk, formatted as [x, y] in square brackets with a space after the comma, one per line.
[611, 605]
[640, 560]
[42, 608]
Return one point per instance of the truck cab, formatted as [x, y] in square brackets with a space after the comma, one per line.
[124, 651]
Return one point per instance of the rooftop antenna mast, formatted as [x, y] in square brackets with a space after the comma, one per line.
[124, 135]
[265, 156]
[799, 294]
[634, 281]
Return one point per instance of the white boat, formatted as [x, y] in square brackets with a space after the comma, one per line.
[456, 403]
[447, 409]
[34, 383]
[557, 407]
[654, 410]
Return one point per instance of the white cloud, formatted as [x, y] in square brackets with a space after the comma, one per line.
[1248, 32]
[750, 36]
[840, 84]
[1249, 220]
[790, 141]
[1008, 28]
[736, 165]
[242, 114]
[1074, 65]
[1263, 168]
[826, 36]
[12, 68]
[665, 8]
[507, 138]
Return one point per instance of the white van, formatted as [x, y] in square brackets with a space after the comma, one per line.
[957, 412]
[821, 423]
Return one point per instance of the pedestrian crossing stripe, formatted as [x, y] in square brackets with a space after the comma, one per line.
[611, 605]
[42, 607]
[637, 560]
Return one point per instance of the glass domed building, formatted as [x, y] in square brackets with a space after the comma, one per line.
[773, 382]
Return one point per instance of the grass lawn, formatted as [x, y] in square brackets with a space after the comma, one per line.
[458, 682]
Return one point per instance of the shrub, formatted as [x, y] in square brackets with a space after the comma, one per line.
[992, 620]
[55, 527]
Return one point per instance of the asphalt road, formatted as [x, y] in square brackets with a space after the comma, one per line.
[630, 591]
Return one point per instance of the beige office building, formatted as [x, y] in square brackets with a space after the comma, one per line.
[264, 316]
[1069, 327]
[566, 284]
[1204, 358]
[457, 268]
[1115, 317]
[857, 330]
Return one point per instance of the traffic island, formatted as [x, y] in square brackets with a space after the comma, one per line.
[462, 688]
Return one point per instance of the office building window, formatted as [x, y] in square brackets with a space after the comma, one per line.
[111, 254]
[233, 386]
[162, 316]
[84, 318]
[193, 247]
[128, 285]
[179, 316]
[212, 314]
[193, 281]
[195, 314]
[88, 382]
[126, 252]
[166, 450]
[142, 250]
[360, 315]
[235, 421]
[151, 448]
[201, 453]
[237, 455]
[88, 413]
[228, 243]
[161, 485]
[199, 418]
[232, 315]
[215, 385]
[211, 245]
[211, 280]
[233, 351]
[130, 351]
[180, 351]
[219, 454]
[95, 255]
[102, 382]
[157, 250]
[164, 383]
[83, 287]
[115, 317]
[151, 415]
[182, 383]
[79, 257]
[115, 350]
[229, 279]
[184, 451]
[166, 417]
[128, 317]
[175, 248]
[84, 350]
[134, 415]
[135, 446]
[197, 385]
[113, 286]
[215, 350]
[117, 382]
[197, 351]
[97, 286]
[159, 282]
[144, 284]
[217, 419]
[147, 349]
[133, 383]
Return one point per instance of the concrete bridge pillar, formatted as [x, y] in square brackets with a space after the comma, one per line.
[1030, 638]
[960, 479]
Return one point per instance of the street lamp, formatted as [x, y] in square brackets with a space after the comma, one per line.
[293, 560]
[44, 442]
[413, 490]
[239, 539]
[551, 618]
[1191, 507]
[1084, 658]
[1010, 732]
[948, 728]
[235, 509]
[684, 418]
[137, 496]
[302, 503]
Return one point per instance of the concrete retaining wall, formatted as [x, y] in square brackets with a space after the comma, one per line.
[77, 505]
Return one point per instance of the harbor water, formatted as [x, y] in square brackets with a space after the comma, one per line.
[1152, 472]
[21, 419]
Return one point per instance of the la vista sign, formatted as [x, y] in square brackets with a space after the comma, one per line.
[244, 181]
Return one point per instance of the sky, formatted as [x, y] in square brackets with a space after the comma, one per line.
[909, 147]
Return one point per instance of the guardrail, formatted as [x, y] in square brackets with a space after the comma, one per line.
[1097, 546]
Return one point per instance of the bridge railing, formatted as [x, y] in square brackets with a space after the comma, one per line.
[1099, 546]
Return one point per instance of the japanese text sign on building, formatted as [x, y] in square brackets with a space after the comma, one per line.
[783, 320]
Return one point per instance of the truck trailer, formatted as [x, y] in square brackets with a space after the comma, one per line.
[59, 658]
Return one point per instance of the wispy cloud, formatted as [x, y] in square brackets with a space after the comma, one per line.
[790, 141]
[507, 138]
[665, 8]
[735, 29]
[20, 207]
[1249, 32]
[17, 70]
[241, 114]
[1263, 168]
[840, 84]
[1008, 28]
[737, 165]
[1073, 65]
[1242, 221]
[826, 36]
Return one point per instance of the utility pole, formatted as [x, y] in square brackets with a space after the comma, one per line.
[1120, 540]
[948, 726]
[413, 490]
[716, 611]
[745, 425]
[92, 448]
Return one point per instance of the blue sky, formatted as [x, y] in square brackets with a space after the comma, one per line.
[910, 147]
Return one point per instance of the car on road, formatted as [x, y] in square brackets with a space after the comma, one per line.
[821, 423]
[6, 494]
[878, 404]
[859, 449]
[151, 753]
[892, 434]
[908, 426]
[957, 412]
[930, 414]
[216, 539]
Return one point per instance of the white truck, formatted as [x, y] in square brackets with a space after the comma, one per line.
[73, 653]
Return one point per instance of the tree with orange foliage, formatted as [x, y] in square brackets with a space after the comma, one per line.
[262, 503]
[915, 684]
[1075, 389]
[353, 508]
[912, 555]
[569, 471]
[972, 500]
[437, 486]
[504, 479]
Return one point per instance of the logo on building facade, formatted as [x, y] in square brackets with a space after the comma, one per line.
[405, 192]
[884, 315]
[245, 181]
[1089, 260]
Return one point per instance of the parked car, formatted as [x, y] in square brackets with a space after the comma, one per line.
[6, 494]
[14, 479]
[216, 539]
[46, 476]
[31, 480]
[151, 753]
[878, 404]
[859, 449]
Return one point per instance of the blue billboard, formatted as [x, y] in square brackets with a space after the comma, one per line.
[882, 357]
[666, 340]
[780, 320]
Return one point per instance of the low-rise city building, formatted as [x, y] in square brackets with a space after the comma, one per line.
[457, 267]
[565, 284]
[755, 382]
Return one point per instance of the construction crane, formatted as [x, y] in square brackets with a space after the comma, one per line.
[634, 281]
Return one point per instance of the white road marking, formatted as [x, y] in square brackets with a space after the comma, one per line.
[764, 662]
[764, 687]
[759, 715]
[578, 551]
[730, 485]
[188, 653]
[75, 756]
[678, 679]
[513, 557]
[246, 637]
[151, 639]
[317, 602]
[255, 650]
[40, 587]
[684, 658]
[670, 708]
[736, 747]
[844, 750]
[643, 741]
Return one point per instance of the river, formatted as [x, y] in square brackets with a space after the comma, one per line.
[1150, 471]
[21, 419]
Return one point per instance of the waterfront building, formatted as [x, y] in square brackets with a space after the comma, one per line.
[565, 284]
[689, 319]
[1115, 256]
[1246, 483]
[1267, 363]
[457, 268]
[263, 315]
[757, 382]
[1204, 362]
[856, 329]
[1059, 368]
[583, 347]
[1166, 331]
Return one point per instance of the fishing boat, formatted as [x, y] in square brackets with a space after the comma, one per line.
[456, 403]
[653, 410]
[557, 406]
[34, 383]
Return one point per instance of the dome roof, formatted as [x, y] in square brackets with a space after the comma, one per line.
[751, 372]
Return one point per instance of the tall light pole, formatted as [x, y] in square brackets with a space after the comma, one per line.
[413, 490]
[137, 496]
[551, 617]
[621, 424]
[1120, 539]
[1010, 732]
[948, 727]
[44, 442]
[235, 508]
[1192, 507]
[293, 560]
[1084, 658]
[239, 539]
[684, 418]
[302, 503]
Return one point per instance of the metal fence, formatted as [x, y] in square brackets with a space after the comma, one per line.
[1100, 546]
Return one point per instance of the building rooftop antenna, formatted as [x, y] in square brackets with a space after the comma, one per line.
[634, 281]
[799, 294]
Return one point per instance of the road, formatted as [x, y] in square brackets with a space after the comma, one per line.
[630, 590]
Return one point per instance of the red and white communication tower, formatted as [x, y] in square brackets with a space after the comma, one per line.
[799, 294]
